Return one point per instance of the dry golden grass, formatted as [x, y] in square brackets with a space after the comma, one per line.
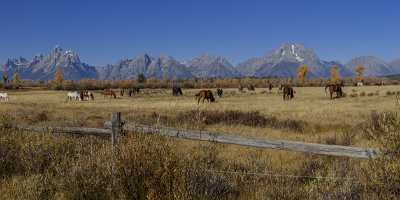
[311, 105]
[326, 121]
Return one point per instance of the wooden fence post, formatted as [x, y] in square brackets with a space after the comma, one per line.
[116, 127]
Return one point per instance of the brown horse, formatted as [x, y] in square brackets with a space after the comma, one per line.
[251, 87]
[109, 93]
[288, 92]
[85, 95]
[335, 88]
[240, 88]
[270, 86]
[205, 95]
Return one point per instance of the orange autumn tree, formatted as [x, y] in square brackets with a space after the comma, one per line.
[334, 74]
[16, 80]
[58, 79]
[360, 72]
[302, 73]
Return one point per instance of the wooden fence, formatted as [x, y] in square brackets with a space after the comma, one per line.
[114, 127]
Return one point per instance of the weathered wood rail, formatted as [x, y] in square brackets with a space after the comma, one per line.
[322, 149]
[70, 130]
[115, 126]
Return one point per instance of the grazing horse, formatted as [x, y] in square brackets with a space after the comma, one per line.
[335, 88]
[288, 92]
[177, 91]
[85, 95]
[270, 86]
[220, 92]
[73, 96]
[134, 90]
[109, 93]
[205, 95]
[251, 87]
[3, 97]
[240, 88]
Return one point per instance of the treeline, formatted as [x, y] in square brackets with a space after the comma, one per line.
[151, 83]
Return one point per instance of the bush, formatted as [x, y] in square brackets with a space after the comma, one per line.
[354, 95]
[233, 117]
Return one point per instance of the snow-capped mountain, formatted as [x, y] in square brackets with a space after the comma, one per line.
[284, 61]
[280, 62]
[43, 67]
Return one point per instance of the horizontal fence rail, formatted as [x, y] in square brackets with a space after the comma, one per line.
[115, 126]
[70, 130]
[322, 149]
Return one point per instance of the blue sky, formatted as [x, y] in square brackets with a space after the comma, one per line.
[103, 32]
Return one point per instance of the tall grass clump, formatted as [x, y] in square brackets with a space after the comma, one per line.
[43, 166]
[382, 176]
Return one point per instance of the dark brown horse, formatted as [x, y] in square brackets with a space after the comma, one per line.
[288, 92]
[335, 88]
[251, 87]
[205, 95]
[176, 91]
[133, 91]
[220, 92]
[270, 86]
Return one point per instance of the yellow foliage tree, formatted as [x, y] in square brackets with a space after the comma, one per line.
[302, 72]
[58, 79]
[360, 72]
[58, 76]
[334, 74]
[16, 80]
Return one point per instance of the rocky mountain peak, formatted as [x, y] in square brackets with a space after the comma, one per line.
[207, 65]
[293, 52]
[373, 65]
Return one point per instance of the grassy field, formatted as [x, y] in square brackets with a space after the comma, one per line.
[311, 116]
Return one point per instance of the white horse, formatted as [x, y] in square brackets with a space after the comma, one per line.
[73, 96]
[3, 97]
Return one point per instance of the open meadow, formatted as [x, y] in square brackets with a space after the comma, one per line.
[154, 167]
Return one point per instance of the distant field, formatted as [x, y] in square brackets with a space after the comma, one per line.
[311, 105]
[311, 116]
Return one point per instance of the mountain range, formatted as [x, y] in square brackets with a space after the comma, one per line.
[280, 62]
